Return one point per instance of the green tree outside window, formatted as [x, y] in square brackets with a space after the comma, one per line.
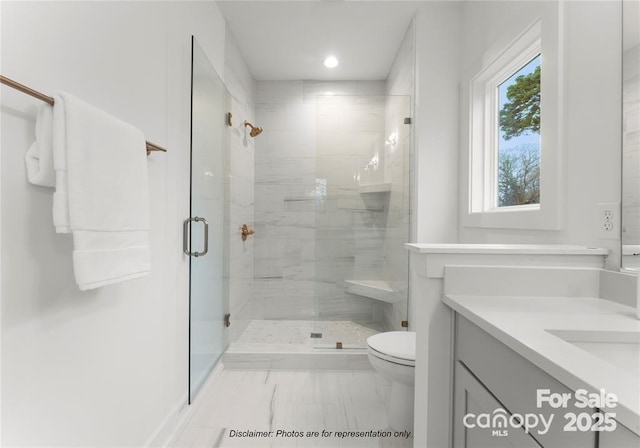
[519, 163]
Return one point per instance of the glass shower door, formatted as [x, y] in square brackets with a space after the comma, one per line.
[362, 217]
[205, 229]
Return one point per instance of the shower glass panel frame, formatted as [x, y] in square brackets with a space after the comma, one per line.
[207, 228]
[362, 217]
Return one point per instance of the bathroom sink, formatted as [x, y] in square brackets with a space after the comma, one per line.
[620, 348]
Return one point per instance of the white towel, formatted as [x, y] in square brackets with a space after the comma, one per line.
[39, 157]
[101, 193]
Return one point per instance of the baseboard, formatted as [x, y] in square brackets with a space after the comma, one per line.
[174, 424]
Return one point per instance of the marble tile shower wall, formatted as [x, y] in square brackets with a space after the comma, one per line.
[241, 211]
[240, 83]
[350, 227]
[284, 246]
[313, 228]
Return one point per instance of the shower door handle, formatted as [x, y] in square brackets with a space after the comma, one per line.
[185, 237]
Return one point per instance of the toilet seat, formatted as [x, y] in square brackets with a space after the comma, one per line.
[398, 347]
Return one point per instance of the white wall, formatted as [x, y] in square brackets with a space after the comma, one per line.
[631, 145]
[437, 31]
[631, 130]
[590, 155]
[401, 78]
[106, 367]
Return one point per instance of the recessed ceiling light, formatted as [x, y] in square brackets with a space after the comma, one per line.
[330, 62]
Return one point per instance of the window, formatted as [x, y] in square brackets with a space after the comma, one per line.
[514, 134]
[518, 170]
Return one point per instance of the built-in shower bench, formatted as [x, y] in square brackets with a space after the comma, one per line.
[374, 289]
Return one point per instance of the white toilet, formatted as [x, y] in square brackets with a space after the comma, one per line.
[393, 354]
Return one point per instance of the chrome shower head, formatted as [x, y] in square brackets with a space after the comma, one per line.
[255, 130]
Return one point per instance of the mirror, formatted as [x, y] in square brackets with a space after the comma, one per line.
[631, 134]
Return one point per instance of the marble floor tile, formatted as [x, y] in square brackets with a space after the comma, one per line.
[200, 437]
[303, 402]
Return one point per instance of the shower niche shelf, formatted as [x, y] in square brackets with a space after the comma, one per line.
[384, 187]
[374, 289]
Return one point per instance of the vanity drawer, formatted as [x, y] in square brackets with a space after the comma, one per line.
[514, 381]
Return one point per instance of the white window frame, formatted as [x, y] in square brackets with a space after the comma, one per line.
[483, 210]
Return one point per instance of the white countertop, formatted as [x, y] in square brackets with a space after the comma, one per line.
[539, 249]
[521, 324]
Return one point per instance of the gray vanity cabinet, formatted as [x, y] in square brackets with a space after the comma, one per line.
[490, 376]
[471, 397]
[620, 438]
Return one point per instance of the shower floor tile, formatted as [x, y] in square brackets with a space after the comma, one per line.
[289, 333]
[302, 401]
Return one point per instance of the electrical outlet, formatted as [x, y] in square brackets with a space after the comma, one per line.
[608, 220]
